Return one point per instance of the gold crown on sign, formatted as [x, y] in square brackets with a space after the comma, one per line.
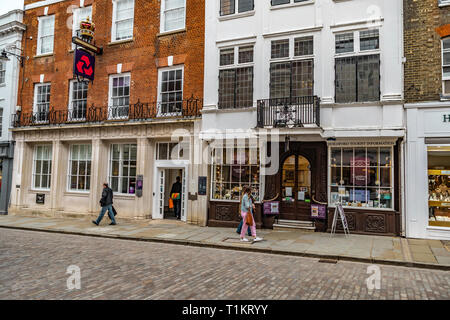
[87, 28]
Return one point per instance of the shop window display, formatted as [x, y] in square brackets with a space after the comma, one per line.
[362, 177]
[439, 186]
[232, 170]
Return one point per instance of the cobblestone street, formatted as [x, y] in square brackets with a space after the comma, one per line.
[33, 265]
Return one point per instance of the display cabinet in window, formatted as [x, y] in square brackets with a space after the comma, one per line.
[439, 186]
[232, 170]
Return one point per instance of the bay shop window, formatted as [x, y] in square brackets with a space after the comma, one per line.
[232, 169]
[361, 176]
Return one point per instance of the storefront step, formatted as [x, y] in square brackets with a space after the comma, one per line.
[294, 224]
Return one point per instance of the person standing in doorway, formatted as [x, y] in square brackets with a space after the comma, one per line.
[175, 194]
[106, 202]
[246, 209]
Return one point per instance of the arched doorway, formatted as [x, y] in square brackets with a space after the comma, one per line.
[296, 188]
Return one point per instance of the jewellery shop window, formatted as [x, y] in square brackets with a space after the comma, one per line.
[362, 177]
[439, 186]
[233, 169]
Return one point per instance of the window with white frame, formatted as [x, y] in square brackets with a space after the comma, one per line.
[172, 151]
[77, 100]
[80, 167]
[362, 175]
[80, 14]
[446, 67]
[173, 14]
[444, 2]
[46, 33]
[292, 67]
[122, 172]
[228, 7]
[236, 77]
[42, 167]
[2, 72]
[232, 169]
[278, 2]
[357, 66]
[41, 102]
[119, 96]
[123, 20]
[170, 91]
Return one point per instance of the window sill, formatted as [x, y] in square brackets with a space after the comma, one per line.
[124, 196]
[45, 191]
[362, 208]
[441, 5]
[172, 32]
[445, 98]
[43, 55]
[237, 15]
[74, 193]
[2, 84]
[113, 43]
[291, 5]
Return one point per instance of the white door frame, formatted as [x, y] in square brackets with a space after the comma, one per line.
[169, 164]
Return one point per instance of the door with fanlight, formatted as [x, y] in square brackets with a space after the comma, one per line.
[295, 188]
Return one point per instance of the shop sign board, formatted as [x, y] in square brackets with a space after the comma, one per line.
[318, 211]
[40, 198]
[84, 64]
[272, 207]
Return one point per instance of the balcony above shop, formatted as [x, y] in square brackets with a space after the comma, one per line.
[289, 112]
[138, 112]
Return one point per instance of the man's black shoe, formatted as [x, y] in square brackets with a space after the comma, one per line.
[112, 224]
[95, 222]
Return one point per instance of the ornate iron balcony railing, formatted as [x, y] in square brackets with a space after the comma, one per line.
[288, 112]
[189, 108]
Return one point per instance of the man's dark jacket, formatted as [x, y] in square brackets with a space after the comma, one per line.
[107, 197]
[176, 188]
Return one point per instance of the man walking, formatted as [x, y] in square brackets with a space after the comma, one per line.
[106, 202]
[175, 194]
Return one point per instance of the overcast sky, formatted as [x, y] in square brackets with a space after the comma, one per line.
[8, 5]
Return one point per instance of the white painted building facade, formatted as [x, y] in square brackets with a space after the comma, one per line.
[306, 42]
[11, 30]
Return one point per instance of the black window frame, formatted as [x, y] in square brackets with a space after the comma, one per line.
[356, 59]
[250, 6]
[291, 76]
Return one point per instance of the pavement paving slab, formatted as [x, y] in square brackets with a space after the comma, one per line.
[433, 253]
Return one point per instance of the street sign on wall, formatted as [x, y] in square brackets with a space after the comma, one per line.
[84, 64]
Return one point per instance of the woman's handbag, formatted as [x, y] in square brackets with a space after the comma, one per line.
[249, 219]
[175, 196]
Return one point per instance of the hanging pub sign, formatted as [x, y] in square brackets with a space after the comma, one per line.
[85, 51]
[84, 64]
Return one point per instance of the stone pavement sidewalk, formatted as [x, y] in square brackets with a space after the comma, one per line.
[364, 248]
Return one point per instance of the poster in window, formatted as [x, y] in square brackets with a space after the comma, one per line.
[359, 172]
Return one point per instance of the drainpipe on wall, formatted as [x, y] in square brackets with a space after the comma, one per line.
[402, 189]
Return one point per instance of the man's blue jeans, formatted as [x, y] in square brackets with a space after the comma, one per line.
[110, 213]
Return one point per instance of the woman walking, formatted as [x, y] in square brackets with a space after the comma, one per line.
[246, 209]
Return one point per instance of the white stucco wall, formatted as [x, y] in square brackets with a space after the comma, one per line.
[10, 36]
[425, 120]
[320, 19]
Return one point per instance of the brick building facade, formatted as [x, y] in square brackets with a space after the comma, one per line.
[427, 105]
[423, 78]
[148, 85]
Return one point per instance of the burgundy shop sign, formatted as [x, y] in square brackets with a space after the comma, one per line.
[84, 64]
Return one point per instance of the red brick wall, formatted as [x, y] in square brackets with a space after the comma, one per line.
[423, 68]
[141, 56]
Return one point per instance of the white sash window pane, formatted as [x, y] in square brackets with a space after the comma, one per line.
[124, 19]
[174, 14]
[46, 34]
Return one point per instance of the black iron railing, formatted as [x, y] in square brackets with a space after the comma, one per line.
[288, 112]
[190, 108]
